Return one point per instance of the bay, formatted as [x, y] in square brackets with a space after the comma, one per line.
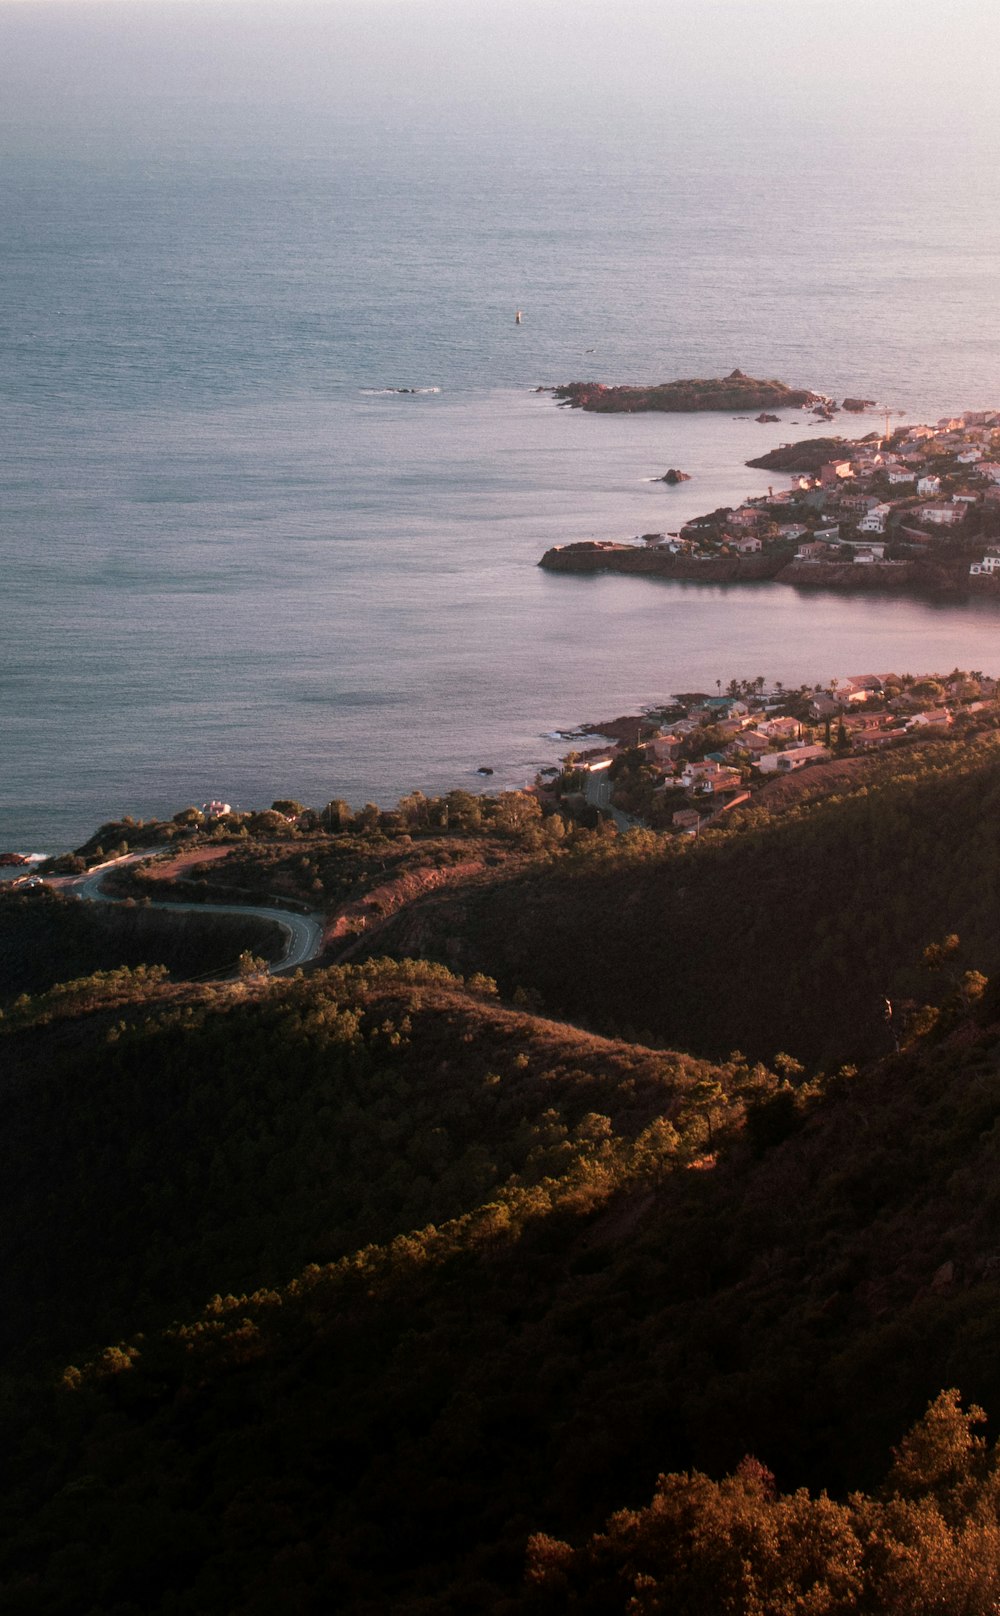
[232, 564]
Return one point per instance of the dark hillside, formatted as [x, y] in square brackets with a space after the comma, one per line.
[783, 934]
[166, 1148]
[46, 938]
[386, 1431]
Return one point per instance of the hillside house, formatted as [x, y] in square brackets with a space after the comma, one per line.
[870, 683]
[744, 518]
[795, 758]
[941, 515]
[708, 777]
[666, 749]
[875, 519]
[810, 551]
[935, 718]
[754, 742]
[927, 487]
[785, 729]
[687, 821]
[717, 708]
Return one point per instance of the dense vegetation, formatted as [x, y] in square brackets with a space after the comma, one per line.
[778, 933]
[374, 1290]
[46, 938]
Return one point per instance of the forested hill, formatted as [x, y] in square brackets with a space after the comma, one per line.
[377, 1288]
[544, 1268]
[779, 933]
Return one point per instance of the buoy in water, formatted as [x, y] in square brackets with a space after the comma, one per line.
[517, 317]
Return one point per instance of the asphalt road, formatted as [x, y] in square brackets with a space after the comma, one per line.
[304, 932]
[597, 792]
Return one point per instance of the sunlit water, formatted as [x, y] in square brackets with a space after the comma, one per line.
[232, 566]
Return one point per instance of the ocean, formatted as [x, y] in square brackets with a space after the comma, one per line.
[236, 563]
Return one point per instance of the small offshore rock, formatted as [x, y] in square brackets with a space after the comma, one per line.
[673, 476]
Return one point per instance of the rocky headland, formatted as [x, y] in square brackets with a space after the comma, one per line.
[808, 455]
[896, 578]
[604, 556]
[733, 392]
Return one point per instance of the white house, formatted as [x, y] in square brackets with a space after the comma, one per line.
[936, 718]
[795, 758]
[901, 474]
[989, 564]
[928, 486]
[875, 520]
[942, 515]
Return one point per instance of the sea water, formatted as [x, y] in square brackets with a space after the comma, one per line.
[237, 562]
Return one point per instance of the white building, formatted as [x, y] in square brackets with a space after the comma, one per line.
[795, 758]
[941, 515]
[875, 520]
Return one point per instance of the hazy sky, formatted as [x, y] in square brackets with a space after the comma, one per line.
[132, 65]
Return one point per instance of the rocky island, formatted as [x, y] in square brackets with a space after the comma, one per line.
[733, 392]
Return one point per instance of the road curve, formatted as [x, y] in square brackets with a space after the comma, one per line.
[304, 933]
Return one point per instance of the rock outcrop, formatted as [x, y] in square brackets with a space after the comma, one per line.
[733, 392]
[807, 455]
[600, 556]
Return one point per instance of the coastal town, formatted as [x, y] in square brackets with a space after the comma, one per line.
[687, 765]
[912, 509]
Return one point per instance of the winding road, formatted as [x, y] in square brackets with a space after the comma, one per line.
[304, 933]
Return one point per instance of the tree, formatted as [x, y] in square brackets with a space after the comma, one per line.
[250, 964]
[337, 815]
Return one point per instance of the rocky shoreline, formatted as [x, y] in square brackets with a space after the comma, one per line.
[733, 392]
[902, 577]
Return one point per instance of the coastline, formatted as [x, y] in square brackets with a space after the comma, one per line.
[919, 578]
